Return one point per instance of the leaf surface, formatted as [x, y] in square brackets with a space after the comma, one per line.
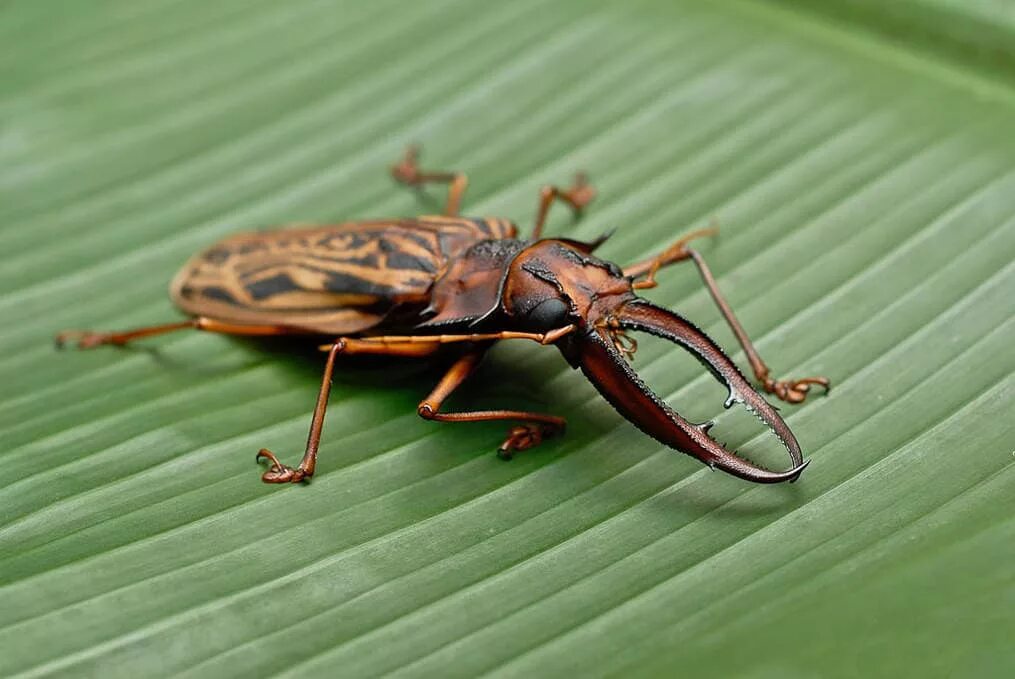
[860, 162]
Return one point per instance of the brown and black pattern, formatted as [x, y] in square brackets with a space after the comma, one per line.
[328, 279]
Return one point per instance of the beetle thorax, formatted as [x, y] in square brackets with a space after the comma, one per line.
[553, 283]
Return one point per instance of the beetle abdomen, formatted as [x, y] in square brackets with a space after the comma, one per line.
[328, 279]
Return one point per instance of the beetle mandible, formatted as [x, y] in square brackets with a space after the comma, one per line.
[407, 287]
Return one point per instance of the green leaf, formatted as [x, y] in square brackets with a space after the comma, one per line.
[859, 160]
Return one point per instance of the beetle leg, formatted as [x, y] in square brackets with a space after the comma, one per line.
[791, 391]
[281, 473]
[677, 252]
[578, 195]
[407, 172]
[403, 344]
[533, 429]
[87, 339]
[388, 346]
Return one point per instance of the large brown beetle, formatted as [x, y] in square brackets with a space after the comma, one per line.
[433, 281]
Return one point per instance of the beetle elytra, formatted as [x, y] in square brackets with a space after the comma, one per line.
[407, 287]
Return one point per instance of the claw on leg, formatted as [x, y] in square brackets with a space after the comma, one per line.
[795, 391]
[85, 339]
[407, 171]
[525, 436]
[278, 472]
[580, 193]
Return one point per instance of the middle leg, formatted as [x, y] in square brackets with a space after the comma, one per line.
[532, 427]
[578, 195]
[408, 172]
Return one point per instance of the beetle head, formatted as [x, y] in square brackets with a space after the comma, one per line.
[553, 283]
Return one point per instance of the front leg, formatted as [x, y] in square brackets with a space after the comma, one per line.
[643, 276]
[533, 427]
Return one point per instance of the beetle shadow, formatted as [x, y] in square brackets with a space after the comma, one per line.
[416, 376]
[750, 501]
[301, 356]
[499, 382]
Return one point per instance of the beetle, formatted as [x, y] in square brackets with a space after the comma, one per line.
[408, 287]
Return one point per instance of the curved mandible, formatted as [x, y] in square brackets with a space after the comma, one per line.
[613, 376]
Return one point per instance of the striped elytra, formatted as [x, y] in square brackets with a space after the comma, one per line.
[335, 279]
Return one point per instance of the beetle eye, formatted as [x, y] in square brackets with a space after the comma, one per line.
[547, 315]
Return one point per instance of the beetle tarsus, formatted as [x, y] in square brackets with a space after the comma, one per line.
[278, 472]
[795, 391]
[525, 436]
[580, 193]
[406, 170]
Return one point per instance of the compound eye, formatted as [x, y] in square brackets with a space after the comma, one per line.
[547, 315]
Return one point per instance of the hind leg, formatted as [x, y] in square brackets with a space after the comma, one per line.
[87, 339]
[408, 173]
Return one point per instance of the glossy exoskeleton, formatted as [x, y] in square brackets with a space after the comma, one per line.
[408, 287]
